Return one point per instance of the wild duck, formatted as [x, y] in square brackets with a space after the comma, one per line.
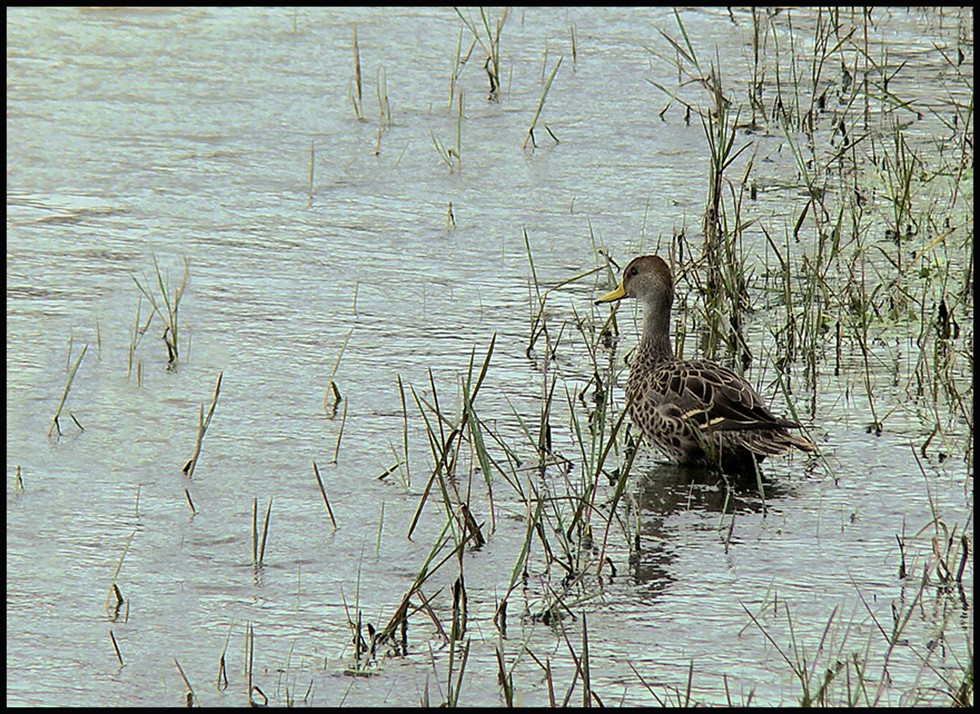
[696, 411]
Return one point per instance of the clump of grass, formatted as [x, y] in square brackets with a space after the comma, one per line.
[166, 304]
[487, 34]
[399, 619]
[446, 451]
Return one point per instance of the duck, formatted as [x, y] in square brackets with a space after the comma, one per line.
[697, 412]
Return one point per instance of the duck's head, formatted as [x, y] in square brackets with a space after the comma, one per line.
[646, 278]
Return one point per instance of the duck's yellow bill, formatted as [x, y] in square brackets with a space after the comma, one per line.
[613, 295]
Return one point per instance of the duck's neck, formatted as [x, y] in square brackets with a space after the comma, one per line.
[655, 343]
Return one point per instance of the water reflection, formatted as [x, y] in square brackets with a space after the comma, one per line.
[665, 490]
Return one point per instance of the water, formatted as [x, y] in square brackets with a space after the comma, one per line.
[186, 134]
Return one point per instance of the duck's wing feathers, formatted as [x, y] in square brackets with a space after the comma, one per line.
[713, 397]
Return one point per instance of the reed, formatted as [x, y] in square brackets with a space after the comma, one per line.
[529, 136]
[136, 336]
[384, 109]
[454, 685]
[332, 396]
[55, 423]
[381, 526]
[452, 156]
[114, 592]
[190, 501]
[312, 169]
[189, 698]
[221, 682]
[384, 104]
[571, 32]
[357, 93]
[487, 34]
[203, 422]
[445, 451]
[459, 63]
[166, 305]
[258, 545]
[249, 658]
[115, 647]
[323, 493]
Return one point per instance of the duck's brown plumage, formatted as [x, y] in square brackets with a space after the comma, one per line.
[695, 411]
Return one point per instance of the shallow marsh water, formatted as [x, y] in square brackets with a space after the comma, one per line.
[186, 134]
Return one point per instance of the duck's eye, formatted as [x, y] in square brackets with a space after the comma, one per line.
[633, 271]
